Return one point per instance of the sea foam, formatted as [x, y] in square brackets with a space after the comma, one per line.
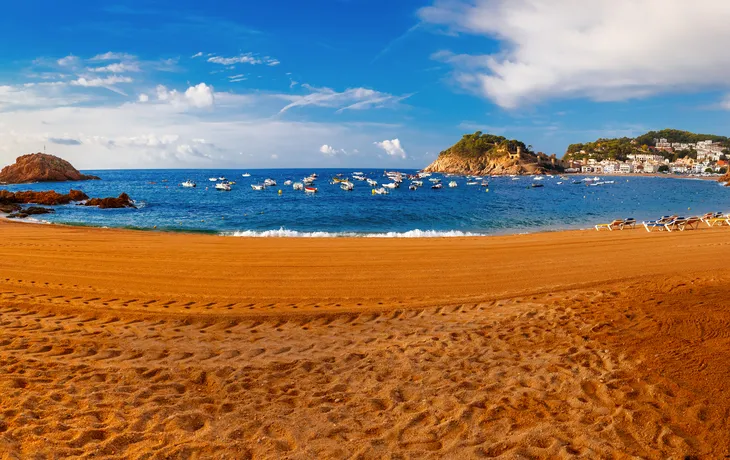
[285, 233]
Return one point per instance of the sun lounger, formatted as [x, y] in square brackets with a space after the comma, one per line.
[619, 224]
[675, 224]
[718, 220]
[616, 223]
[659, 224]
[710, 215]
[692, 223]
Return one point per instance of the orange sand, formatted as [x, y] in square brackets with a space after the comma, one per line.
[128, 344]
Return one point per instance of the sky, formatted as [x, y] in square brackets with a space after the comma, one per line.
[349, 83]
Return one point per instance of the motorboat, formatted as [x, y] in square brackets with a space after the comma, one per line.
[379, 191]
[437, 186]
[417, 183]
[308, 180]
[537, 185]
[212, 179]
[287, 182]
[188, 184]
[258, 186]
[484, 184]
[360, 178]
[269, 182]
[222, 186]
[538, 178]
[347, 186]
[298, 186]
[391, 185]
[310, 189]
[413, 187]
[435, 180]
[559, 182]
[515, 178]
[246, 175]
[373, 183]
[453, 184]
[221, 178]
[472, 183]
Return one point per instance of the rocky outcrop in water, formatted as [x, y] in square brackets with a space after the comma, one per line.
[485, 154]
[726, 179]
[122, 201]
[40, 167]
[30, 211]
[49, 198]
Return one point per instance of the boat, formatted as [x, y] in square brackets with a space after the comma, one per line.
[372, 183]
[417, 183]
[379, 191]
[391, 185]
[298, 186]
[413, 187]
[435, 180]
[536, 185]
[212, 179]
[269, 182]
[258, 186]
[537, 178]
[221, 178]
[358, 173]
[337, 180]
[453, 184]
[310, 189]
[560, 183]
[484, 183]
[472, 183]
[188, 184]
[287, 182]
[347, 186]
[246, 175]
[576, 182]
[515, 178]
[222, 186]
[308, 180]
[437, 185]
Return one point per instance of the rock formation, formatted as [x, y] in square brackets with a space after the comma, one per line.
[122, 201]
[40, 167]
[484, 154]
[726, 179]
[30, 211]
[49, 198]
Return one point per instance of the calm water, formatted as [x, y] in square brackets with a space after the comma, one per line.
[508, 207]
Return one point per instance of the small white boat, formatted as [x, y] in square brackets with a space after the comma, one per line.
[298, 186]
[310, 189]
[258, 186]
[287, 182]
[417, 183]
[437, 186]
[188, 184]
[559, 182]
[357, 173]
[472, 183]
[453, 184]
[413, 187]
[212, 179]
[372, 183]
[435, 180]
[390, 185]
[347, 186]
[515, 178]
[380, 191]
[246, 175]
[308, 180]
[538, 178]
[223, 187]
[269, 182]
[221, 178]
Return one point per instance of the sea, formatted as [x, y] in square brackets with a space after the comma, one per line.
[505, 206]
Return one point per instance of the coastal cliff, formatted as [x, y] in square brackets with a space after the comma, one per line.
[726, 179]
[40, 167]
[485, 154]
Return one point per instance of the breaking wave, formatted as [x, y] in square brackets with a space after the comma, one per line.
[284, 233]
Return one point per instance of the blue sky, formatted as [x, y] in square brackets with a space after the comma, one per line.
[361, 83]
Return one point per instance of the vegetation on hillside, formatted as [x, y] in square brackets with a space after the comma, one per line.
[676, 135]
[478, 144]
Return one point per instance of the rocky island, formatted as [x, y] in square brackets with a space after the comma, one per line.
[485, 154]
[41, 167]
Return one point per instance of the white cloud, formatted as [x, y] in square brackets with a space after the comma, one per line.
[237, 78]
[143, 98]
[392, 148]
[604, 50]
[100, 82]
[274, 156]
[68, 61]
[197, 55]
[111, 56]
[350, 99]
[247, 58]
[330, 151]
[119, 67]
[198, 96]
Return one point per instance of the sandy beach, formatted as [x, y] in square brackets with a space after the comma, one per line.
[579, 344]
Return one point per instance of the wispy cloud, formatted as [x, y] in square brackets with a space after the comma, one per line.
[112, 56]
[395, 42]
[247, 58]
[349, 99]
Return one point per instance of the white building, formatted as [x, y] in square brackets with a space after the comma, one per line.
[626, 168]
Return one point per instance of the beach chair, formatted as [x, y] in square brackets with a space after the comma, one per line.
[616, 223]
[718, 220]
[630, 222]
[659, 224]
[675, 224]
[692, 223]
[710, 215]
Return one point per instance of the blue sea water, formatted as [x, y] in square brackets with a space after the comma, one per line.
[509, 206]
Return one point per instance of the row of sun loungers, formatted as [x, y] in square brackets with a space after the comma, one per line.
[670, 223]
